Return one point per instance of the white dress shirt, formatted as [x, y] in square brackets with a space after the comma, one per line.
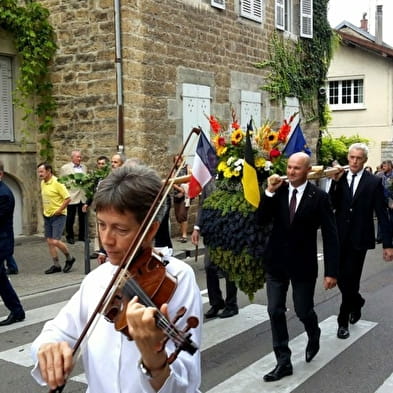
[356, 181]
[110, 360]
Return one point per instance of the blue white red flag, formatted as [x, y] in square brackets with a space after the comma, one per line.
[204, 166]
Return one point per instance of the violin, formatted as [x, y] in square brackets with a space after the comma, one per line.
[142, 273]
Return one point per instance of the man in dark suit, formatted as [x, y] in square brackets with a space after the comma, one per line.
[356, 194]
[7, 292]
[297, 209]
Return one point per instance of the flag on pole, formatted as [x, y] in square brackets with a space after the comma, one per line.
[203, 167]
[250, 178]
[296, 143]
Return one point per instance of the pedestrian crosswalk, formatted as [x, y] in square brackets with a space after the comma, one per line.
[248, 378]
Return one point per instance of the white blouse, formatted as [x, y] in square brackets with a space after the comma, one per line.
[110, 360]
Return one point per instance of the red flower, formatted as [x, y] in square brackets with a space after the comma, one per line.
[235, 125]
[221, 141]
[214, 124]
[284, 131]
[274, 153]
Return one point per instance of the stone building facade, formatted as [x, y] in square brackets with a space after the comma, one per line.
[179, 58]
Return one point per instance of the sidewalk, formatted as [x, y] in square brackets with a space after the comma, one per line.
[32, 256]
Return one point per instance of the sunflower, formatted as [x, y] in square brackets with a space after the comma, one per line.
[272, 139]
[237, 136]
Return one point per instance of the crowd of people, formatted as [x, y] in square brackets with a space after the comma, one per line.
[343, 209]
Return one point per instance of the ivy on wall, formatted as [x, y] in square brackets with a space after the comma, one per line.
[299, 69]
[35, 43]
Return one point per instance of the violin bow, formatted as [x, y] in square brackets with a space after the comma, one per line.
[133, 247]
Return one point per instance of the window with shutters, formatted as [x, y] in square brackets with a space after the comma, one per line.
[294, 17]
[218, 4]
[251, 9]
[196, 104]
[6, 117]
[250, 107]
[346, 94]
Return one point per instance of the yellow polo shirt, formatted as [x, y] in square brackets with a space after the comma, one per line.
[53, 195]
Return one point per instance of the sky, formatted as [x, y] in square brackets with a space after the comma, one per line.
[352, 11]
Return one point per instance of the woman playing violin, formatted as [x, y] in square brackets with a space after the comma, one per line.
[112, 362]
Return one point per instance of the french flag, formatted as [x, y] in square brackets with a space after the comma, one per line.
[203, 167]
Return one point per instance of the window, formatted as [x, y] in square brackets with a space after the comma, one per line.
[294, 17]
[6, 117]
[346, 94]
[251, 9]
[250, 107]
[218, 4]
[196, 104]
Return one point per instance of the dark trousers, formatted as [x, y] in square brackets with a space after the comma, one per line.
[71, 213]
[7, 292]
[213, 285]
[303, 300]
[350, 272]
[163, 236]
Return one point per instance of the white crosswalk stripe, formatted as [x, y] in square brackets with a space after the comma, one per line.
[250, 379]
[387, 386]
[219, 330]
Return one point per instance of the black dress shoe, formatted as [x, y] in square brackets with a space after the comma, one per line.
[312, 346]
[354, 316]
[280, 371]
[213, 311]
[12, 318]
[228, 312]
[70, 240]
[68, 265]
[53, 269]
[12, 271]
[342, 332]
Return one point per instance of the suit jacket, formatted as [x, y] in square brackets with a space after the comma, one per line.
[77, 194]
[7, 204]
[355, 218]
[292, 247]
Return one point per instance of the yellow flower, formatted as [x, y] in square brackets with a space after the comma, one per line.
[228, 173]
[222, 166]
[260, 162]
[272, 138]
[237, 136]
[221, 150]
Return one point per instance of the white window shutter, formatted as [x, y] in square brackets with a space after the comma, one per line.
[251, 9]
[306, 20]
[196, 104]
[250, 107]
[218, 4]
[280, 14]
[6, 122]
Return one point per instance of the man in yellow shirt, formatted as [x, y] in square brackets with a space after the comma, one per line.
[55, 199]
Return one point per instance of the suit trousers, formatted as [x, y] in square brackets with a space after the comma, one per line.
[213, 285]
[350, 272]
[7, 292]
[303, 300]
[71, 213]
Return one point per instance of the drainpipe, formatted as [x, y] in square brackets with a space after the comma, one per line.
[119, 78]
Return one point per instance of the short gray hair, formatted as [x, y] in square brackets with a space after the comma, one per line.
[359, 146]
[132, 189]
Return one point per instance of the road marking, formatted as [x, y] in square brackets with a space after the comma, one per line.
[387, 386]
[36, 315]
[250, 379]
[219, 330]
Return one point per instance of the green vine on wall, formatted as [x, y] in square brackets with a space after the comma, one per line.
[35, 43]
[299, 69]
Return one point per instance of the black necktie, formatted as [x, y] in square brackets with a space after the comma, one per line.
[352, 184]
[292, 205]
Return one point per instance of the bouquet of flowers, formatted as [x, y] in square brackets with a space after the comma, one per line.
[230, 230]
